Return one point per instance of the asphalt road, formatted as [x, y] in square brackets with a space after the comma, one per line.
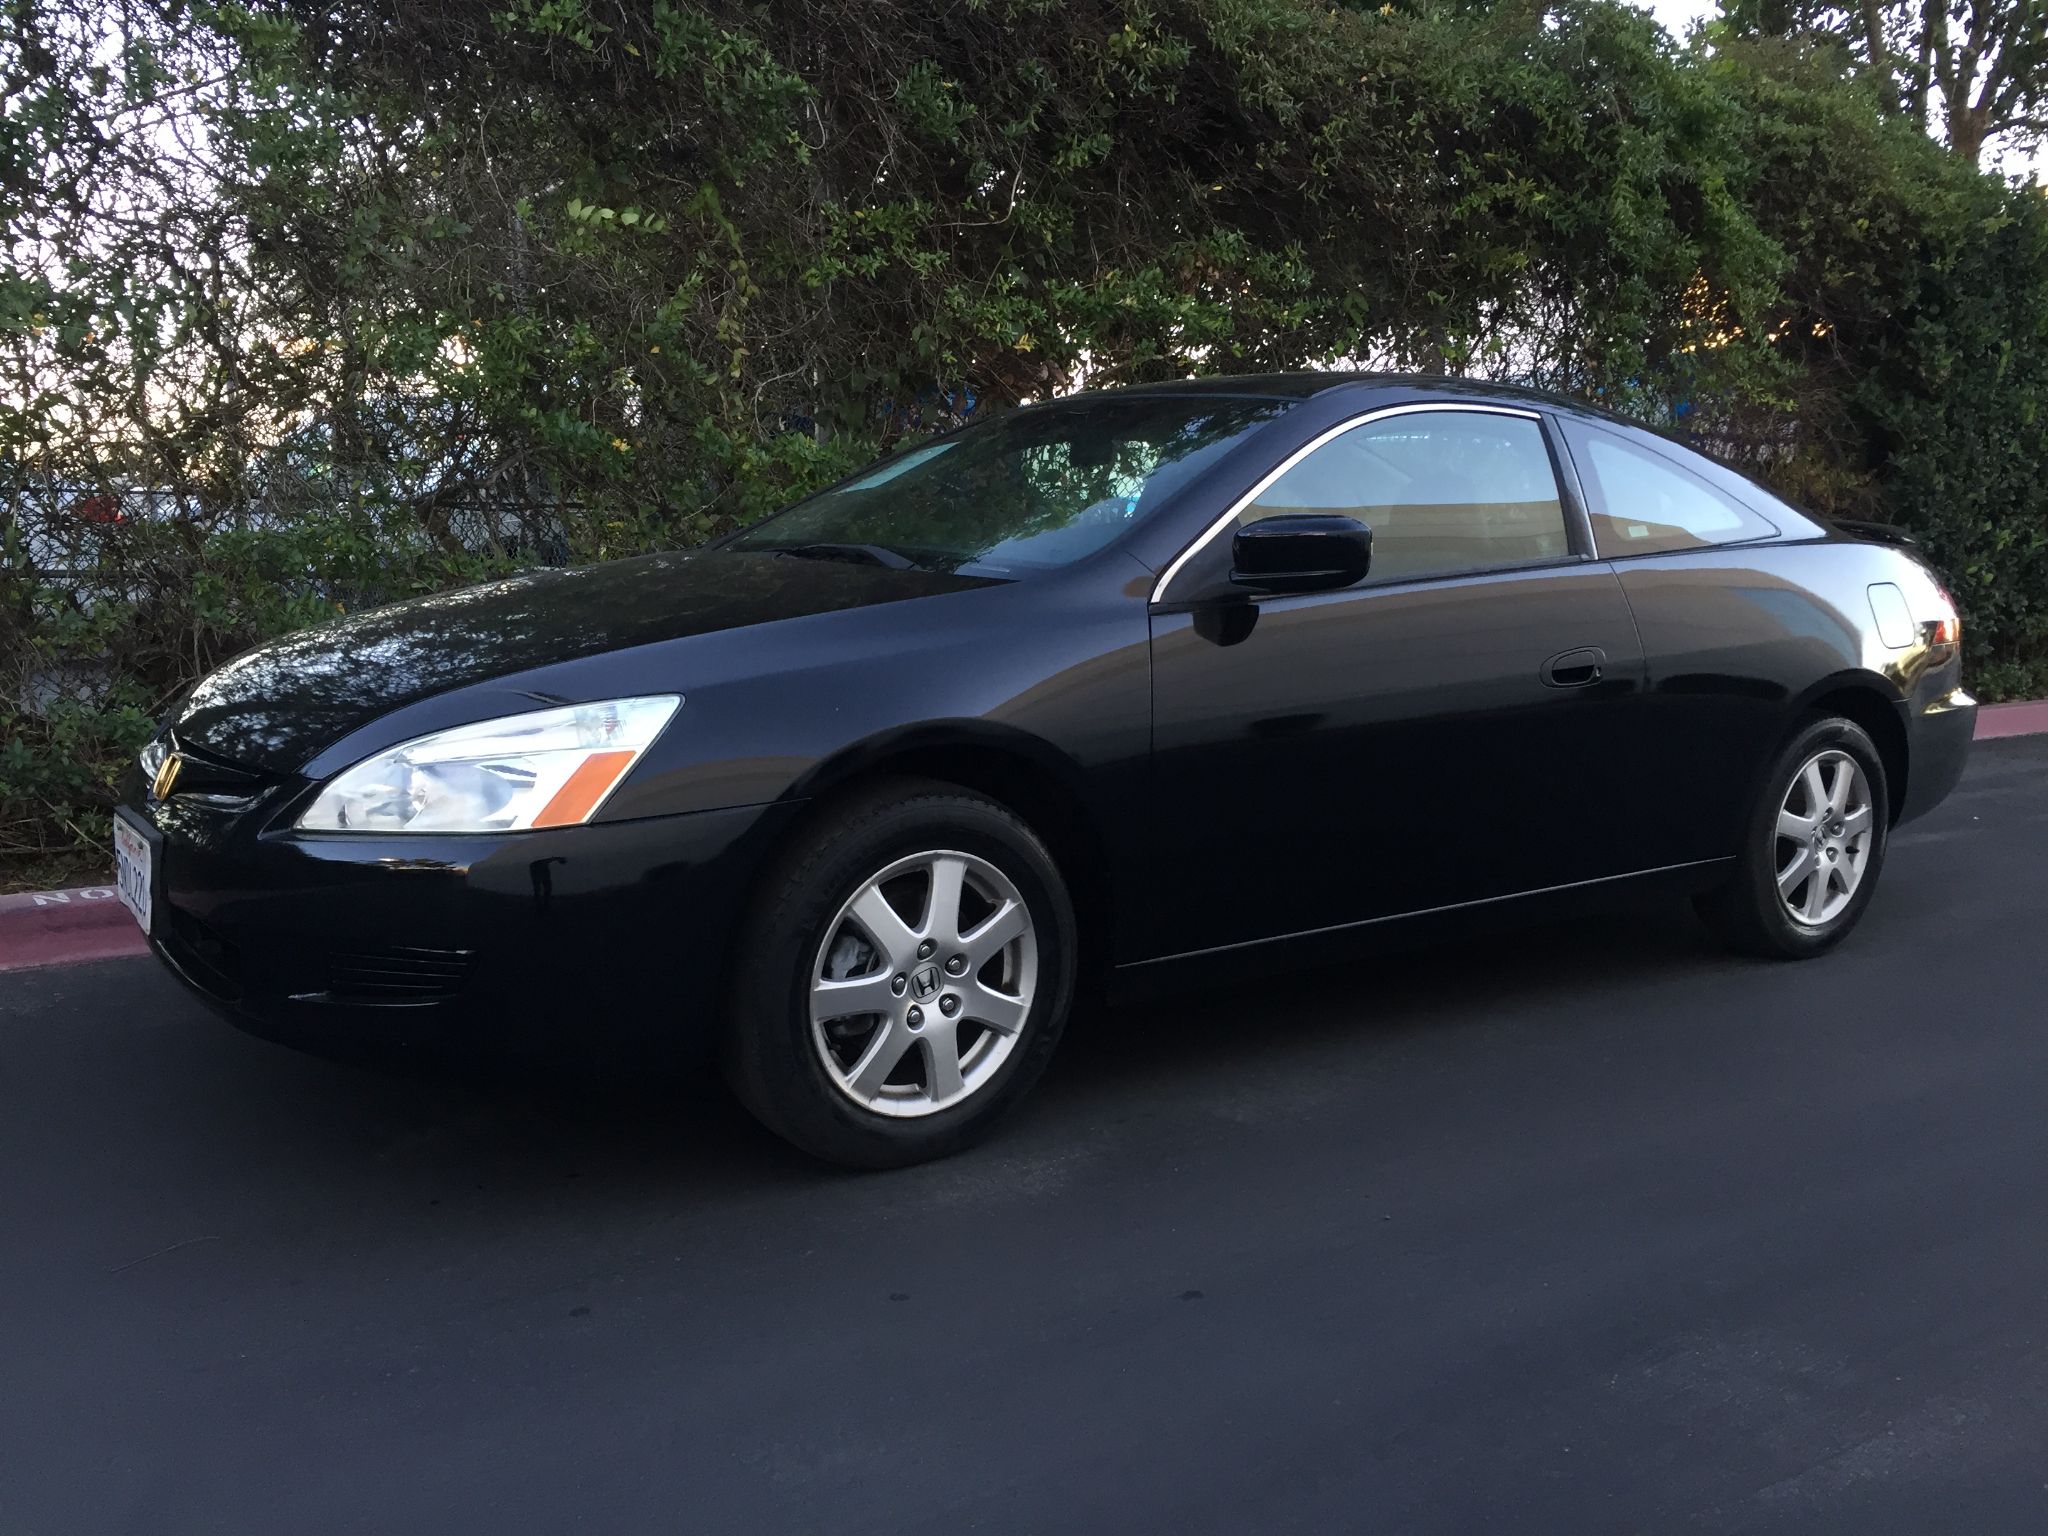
[1590, 1229]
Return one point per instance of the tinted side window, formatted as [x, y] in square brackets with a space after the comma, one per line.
[1643, 503]
[1442, 491]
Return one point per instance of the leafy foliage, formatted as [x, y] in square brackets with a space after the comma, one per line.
[306, 308]
[1914, 320]
[1975, 73]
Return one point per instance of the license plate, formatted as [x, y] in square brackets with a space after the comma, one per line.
[131, 870]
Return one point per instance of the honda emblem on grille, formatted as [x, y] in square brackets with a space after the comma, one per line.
[166, 776]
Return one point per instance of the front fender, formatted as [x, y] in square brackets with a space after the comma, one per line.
[937, 744]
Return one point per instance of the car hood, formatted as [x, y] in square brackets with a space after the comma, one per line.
[272, 708]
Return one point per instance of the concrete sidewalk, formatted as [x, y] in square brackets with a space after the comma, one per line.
[89, 922]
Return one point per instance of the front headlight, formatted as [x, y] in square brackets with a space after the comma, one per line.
[552, 768]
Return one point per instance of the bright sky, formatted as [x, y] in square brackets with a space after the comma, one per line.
[1678, 15]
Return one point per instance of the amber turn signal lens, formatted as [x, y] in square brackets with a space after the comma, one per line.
[579, 795]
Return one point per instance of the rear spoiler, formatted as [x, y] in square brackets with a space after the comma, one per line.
[1876, 533]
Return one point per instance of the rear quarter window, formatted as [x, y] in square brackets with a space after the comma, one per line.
[1643, 502]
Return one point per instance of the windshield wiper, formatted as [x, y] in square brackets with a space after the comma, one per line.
[861, 554]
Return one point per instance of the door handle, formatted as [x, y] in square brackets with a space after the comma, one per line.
[1574, 668]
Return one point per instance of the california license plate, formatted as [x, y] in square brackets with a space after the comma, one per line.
[131, 870]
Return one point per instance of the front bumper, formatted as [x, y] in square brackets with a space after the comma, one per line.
[595, 939]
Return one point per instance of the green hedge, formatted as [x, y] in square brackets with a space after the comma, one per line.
[476, 284]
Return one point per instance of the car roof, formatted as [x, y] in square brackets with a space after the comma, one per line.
[1304, 383]
[1270, 386]
[1301, 385]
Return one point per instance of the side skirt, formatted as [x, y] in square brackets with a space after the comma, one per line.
[1319, 946]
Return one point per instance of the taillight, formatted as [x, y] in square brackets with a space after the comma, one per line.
[1948, 625]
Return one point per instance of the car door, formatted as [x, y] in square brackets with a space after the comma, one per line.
[1452, 729]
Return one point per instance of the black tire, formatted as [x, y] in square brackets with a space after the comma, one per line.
[771, 1059]
[1746, 912]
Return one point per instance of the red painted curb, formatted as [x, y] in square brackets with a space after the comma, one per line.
[59, 927]
[1997, 720]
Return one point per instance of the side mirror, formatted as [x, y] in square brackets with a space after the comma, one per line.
[1301, 552]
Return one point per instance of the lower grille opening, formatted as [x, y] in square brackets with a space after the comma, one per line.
[400, 974]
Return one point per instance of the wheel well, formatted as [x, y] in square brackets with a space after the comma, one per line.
[1880, 721]
[1032, 793]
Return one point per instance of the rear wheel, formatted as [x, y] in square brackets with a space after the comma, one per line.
[1812, 847]
[903, 979]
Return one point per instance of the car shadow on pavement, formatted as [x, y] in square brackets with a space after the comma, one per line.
[655, 1141]
[1383, 991]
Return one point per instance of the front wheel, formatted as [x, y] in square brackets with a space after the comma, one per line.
[903, 978]
[1812, 847]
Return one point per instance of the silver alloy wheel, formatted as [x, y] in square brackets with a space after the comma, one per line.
[1823, 842]
[912, 1014]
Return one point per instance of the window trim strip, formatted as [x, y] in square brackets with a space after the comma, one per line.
[1208, 535]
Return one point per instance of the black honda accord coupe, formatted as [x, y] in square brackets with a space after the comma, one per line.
[1117, 686]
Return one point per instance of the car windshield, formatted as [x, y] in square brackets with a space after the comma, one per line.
[1028, 492]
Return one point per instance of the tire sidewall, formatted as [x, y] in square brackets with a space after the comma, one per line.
[1760, 851]
[808, 1106]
